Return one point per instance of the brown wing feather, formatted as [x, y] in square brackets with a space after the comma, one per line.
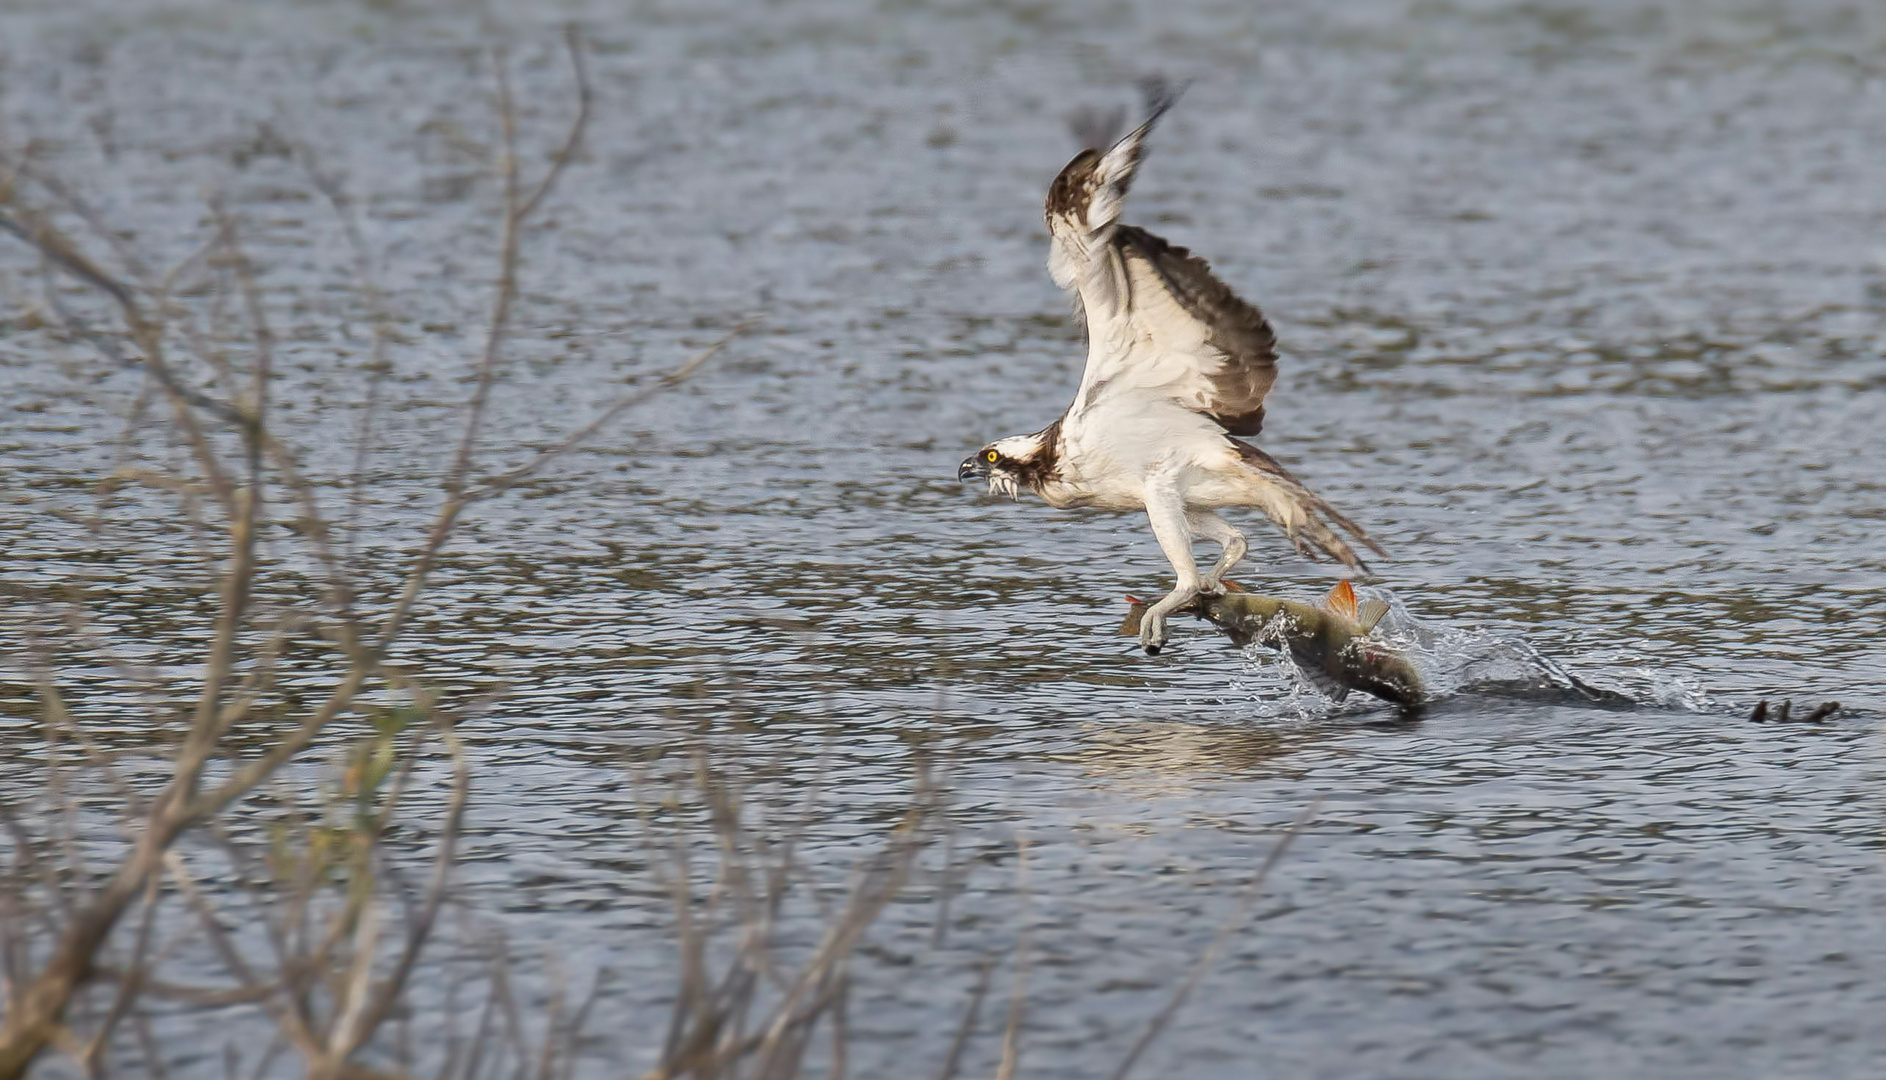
[1103, 172]
[1073, 187]
[1234, 328]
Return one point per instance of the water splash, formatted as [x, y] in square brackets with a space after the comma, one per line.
[1280, 690]
[1674, 691]
[1456, 660]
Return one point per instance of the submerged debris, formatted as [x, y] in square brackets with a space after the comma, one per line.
[1329, 642]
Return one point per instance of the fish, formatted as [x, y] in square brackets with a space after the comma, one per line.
[1331, 642]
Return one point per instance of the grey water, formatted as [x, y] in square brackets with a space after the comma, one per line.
[1583, 309]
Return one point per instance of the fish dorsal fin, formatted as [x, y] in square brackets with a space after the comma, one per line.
[1135, 614]
[1341, 600]
[1370, 612]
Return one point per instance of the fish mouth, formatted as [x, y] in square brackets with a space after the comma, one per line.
[972, 468]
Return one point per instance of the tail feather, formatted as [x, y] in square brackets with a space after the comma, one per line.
[1302, 513]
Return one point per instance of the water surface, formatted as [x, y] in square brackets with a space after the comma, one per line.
[1584, 318]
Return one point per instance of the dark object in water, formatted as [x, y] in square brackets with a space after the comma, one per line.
[1330, 643]
[1781, 714]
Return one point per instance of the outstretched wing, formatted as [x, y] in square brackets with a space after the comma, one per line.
[1084, 200]
[1157, 319]
[1162, 323]
[1173, 355]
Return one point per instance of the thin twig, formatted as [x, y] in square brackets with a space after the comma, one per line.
[288, 1021]
[92, 1058]
[147, 1046]
[1018, 991]
[378, 367]
[577, 1022]
[419, 931]
[486, 377]
[1240, 911]
[87, 213]
[676, 377]
[35, 230]
[841, 1030]
[573, 42]
[971, 1013]
[553, 1022]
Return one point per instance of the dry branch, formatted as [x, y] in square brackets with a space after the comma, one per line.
[237, 676]
[1240, 912]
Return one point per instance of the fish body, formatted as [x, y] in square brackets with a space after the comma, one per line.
[1330, 643]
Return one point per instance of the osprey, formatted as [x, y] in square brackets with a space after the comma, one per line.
[1177, 370]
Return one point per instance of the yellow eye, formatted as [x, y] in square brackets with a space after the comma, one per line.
[992, 457]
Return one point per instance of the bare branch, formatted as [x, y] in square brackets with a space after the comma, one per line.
[87, 213]
[1235, 918]
[287, 1020]
[572, 40]
[240, 672]
[970, 1014]
[54, 245]
[420, 929]
[39, 233]
[505, 296]
[676, 377]
[1018, 993]
[92, 1057]
[378, 366]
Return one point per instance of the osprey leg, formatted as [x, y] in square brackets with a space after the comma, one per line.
[1209, 526]
[1165, 508]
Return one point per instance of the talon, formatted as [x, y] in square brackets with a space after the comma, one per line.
[1152, 634]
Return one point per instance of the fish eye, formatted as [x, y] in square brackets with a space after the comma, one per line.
[991, 456]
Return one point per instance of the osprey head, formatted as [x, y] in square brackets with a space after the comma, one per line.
[1011, 464]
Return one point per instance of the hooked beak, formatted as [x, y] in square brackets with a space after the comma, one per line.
[972, 468]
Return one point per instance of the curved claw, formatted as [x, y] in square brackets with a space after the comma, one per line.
[1152, 633]
[1152, 628]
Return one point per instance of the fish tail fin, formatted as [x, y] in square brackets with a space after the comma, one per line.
[1369, 613]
